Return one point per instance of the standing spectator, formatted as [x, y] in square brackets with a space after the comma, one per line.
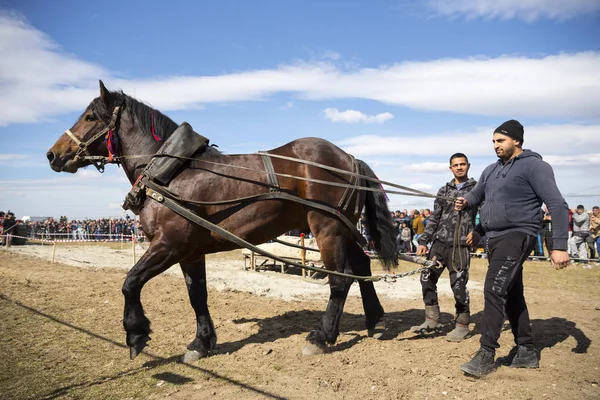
[405, 238]
[449, 250]
[2, 216]
[547, 230]
[570, 223]
[7, 226]
[418, 228]
[595, 229]
[581, 231]
[397, 220]
[512, 191]
[538, 250]
[426, 216]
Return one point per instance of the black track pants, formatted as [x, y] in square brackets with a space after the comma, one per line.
[503, 290]
[459, 276]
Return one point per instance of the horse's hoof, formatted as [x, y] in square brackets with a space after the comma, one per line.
[312, 350]
[193, 355]
[377, 331]
[138, 346]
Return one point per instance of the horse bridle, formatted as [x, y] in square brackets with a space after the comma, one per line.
[98, 162]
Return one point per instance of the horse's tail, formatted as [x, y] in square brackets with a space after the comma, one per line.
[379, 222]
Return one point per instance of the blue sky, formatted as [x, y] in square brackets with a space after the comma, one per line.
[400, 84]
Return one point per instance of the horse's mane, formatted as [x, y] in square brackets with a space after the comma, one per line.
[163, 125]
[145, 114]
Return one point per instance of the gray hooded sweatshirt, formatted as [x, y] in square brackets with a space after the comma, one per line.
[581, 224]
[512, 195]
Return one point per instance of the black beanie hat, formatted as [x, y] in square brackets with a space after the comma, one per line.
[511, 128]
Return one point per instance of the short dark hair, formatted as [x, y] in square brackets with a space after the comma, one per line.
[580, 207]
[595, 208]
[458, 155]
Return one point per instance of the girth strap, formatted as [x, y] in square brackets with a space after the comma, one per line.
[265, 196]
[271, 176]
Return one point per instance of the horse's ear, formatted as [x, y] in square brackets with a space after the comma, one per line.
[104, 93]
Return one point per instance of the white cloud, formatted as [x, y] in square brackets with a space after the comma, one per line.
[426, 167]
[78, 196]
[528, 10]
[565, 139]
[421, 186]
[9, 157]
[574, 161]
[38, 81]
[353, 116]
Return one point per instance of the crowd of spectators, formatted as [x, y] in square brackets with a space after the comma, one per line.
[584, 232]
[409, 226]
[80, 229]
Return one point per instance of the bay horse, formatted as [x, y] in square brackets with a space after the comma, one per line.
[174, 239]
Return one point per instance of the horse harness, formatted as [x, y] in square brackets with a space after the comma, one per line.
[170, 159]
[111, 128]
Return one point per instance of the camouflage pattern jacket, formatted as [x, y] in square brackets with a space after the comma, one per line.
[442, 222]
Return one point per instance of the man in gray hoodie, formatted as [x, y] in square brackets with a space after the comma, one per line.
[512, 191]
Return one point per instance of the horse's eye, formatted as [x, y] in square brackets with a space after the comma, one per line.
[90, 117]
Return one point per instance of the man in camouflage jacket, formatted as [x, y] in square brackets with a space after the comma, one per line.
[447, 231]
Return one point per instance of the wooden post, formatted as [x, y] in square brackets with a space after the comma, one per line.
[53, 252]
[302, 254]
[252, 262]
[133, 247]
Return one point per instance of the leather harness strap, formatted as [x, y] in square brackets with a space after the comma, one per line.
[155, 192]
[83, 146]
[265, 196]
[271, 176]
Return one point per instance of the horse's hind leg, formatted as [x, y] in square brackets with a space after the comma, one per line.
[373, 309]
[195, 280]
[334, 245]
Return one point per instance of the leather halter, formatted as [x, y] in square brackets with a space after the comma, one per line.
[83, 146]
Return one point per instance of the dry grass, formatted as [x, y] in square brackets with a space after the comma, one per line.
[61, 337]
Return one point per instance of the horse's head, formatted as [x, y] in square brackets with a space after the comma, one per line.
[87, 136]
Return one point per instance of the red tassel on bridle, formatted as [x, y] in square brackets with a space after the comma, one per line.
[109, 145]
[154, 135]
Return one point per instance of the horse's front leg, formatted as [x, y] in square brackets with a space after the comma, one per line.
[194, 272]
[158, 258]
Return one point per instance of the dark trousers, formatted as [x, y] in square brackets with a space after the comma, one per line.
[590, 243]
[548, 240]
[458, 271]
[503, 290]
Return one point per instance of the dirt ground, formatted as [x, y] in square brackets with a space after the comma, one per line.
[61, 335]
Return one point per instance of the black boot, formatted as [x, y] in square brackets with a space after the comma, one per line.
[481, 364]
[525, 357]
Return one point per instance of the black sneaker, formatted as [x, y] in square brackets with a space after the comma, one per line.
[481, 364]
[507, 359]
[525, 357]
